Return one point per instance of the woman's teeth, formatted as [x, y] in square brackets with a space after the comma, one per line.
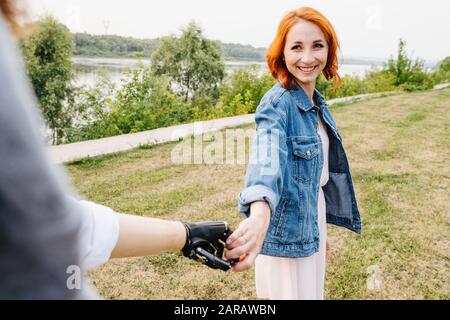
[307, 69]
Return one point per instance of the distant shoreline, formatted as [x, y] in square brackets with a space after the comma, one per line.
[119, 47]
[349, 61]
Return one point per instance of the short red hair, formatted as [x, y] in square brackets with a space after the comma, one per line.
[274, 55]
[9, 9]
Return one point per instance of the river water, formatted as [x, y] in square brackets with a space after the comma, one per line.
[88, 70]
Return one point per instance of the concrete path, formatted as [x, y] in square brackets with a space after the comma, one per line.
[79, 150]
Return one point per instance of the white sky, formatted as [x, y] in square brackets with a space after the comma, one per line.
[366, 28]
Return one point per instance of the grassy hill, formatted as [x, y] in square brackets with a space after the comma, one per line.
[398, 151]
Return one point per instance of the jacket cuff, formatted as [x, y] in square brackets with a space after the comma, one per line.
[255, 193]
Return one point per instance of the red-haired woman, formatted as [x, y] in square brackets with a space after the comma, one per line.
[298, 178]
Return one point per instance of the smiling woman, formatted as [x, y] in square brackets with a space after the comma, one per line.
[305, 60]
[287, 208]
[318, 31]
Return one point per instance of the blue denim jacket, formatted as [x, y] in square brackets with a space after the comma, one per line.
[285, 168]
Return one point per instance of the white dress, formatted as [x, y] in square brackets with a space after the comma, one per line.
[298, 278]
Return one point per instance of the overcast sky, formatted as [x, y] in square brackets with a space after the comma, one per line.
[366, 28]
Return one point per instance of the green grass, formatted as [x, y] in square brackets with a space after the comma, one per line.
[398, 151]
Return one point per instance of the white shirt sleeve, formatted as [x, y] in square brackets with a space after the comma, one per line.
[98, 234]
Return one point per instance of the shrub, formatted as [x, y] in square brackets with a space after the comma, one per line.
[244, 90]
[144, 102]
[442, 73]
[408, 75]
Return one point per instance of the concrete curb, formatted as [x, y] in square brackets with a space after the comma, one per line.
[75, 151]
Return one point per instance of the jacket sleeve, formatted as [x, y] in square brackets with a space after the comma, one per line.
[264, 178]
[99, 232]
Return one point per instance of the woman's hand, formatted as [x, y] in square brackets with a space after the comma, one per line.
[246, 241]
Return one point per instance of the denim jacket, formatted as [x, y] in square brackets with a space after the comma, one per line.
[284, 170]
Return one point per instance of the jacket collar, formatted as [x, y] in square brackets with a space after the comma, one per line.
[302, 100]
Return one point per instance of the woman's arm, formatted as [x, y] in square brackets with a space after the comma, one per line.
[264, 185]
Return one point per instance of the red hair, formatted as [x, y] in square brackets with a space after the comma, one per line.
[10, 11]
[274, 55]
[13, 13]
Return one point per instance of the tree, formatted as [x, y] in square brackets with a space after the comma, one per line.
[48, 55]
[193, 63]
[409, 75]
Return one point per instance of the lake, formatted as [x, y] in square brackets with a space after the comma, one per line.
[88, 70]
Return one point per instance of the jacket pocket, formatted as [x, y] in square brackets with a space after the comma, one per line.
[305, 152]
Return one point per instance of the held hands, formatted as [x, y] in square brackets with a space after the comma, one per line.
[246, 241]
[205, 242]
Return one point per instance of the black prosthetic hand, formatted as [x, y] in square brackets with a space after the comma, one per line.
[205, 242]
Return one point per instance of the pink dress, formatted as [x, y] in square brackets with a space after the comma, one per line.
[298, 278]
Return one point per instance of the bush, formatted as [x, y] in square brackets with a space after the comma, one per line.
[94, 104]
[408, 75]
[379, 81]
[442, 73]
[144, 102]
[349, 86]
[243, 91]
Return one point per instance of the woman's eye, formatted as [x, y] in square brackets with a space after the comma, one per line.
[297, 47]
[318, 45]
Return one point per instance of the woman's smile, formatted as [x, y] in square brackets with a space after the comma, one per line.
[307, 69]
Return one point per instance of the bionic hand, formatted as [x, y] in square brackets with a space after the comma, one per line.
[205, 242]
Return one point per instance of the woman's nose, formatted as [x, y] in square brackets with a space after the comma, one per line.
[307, 57]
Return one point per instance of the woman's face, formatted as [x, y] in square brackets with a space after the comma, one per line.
[305, 52]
